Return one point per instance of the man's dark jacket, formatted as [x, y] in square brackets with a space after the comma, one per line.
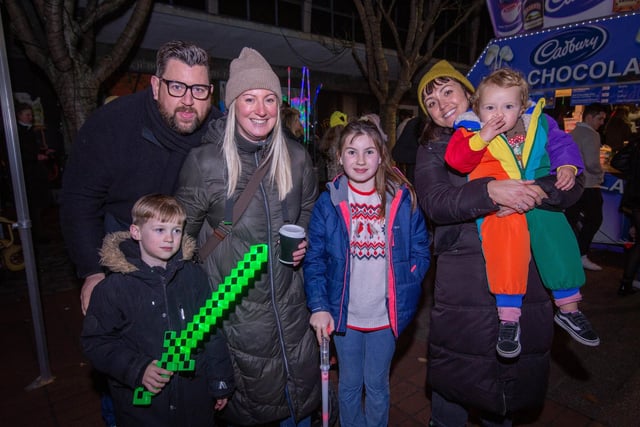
[123, 151]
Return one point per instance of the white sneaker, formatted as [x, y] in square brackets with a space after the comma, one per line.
[590, 265]
[636, 284]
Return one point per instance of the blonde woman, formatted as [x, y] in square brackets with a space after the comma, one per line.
[273, 350]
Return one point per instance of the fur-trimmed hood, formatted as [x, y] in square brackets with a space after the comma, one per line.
[118, 249]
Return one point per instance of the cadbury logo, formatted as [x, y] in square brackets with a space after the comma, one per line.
[569, 47]
[565, 8]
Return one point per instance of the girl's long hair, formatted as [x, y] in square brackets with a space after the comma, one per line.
[388, 179]
[280, 170]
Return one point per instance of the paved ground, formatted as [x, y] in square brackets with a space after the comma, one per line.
[588, 386]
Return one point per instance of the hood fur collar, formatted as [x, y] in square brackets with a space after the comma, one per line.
[113, 257]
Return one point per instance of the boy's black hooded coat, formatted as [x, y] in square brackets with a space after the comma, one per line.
[124, 329]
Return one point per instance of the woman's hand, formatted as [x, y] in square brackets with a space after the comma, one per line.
[322, 324]
[521, 196]
[298, 254]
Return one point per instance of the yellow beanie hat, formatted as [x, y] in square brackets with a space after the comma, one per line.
[441, 69]
[337, 118]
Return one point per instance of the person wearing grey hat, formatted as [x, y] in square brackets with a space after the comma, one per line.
[274, 352]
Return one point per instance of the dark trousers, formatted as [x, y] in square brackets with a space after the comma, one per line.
[445, 413]
[585, 217]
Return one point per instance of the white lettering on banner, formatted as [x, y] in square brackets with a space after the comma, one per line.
[553, 49]
[554, 5]
[581, 72]
[577, 71]
[632, 67]
[564, 74]
[617, 186]
[596, 73]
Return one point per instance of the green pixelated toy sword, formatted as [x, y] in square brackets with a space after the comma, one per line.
[177, 354]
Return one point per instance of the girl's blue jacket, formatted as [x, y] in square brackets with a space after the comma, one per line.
[327, 262]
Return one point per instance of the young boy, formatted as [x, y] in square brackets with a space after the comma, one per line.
[154, 287]
[506, 141]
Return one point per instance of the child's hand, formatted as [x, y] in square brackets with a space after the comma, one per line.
[322, 324]
[565, 178]
[493, 127]
[155, 378]
[220, 404]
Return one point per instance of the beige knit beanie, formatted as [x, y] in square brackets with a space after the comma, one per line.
[250, 71]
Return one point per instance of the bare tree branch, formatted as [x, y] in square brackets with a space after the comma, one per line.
[412, 53]
[56, 40]
[25, 34]
[126, 40]
[66, 52]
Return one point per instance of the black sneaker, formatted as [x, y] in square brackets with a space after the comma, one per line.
[509, 339]
[578, 327]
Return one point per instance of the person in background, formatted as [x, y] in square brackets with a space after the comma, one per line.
[627, 161]
[463, 370]
[34, 171]
[585, 216]
[273, 350]
[329, 143]
[403, 118]
[292, 124]
[358, 283]
[406, 146]
[506, 137]
[132, 146]
[618, 128]
[155, 287]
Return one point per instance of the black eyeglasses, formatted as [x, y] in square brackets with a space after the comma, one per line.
[178, 89]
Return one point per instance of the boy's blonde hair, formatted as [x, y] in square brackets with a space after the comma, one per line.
[159, 206]
[504, 78]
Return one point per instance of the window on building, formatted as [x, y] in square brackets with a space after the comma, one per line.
[290, 14]
[262, 11]
[334, 18]
[235, 8]
[191, 4]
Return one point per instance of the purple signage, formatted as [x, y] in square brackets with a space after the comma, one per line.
[511, 17]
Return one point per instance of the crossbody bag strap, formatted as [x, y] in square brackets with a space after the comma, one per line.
[224, 228]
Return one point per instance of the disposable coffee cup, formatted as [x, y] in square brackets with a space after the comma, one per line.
[290, 237]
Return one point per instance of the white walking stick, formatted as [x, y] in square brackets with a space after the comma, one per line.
[324, 369]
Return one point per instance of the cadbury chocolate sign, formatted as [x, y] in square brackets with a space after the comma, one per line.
[592, 53]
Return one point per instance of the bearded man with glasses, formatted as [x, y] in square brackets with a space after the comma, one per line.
[133, 146]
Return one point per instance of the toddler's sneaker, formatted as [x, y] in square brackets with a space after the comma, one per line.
[578, 327]
[509, 339]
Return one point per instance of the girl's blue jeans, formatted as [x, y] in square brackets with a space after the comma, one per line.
[365, 360]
